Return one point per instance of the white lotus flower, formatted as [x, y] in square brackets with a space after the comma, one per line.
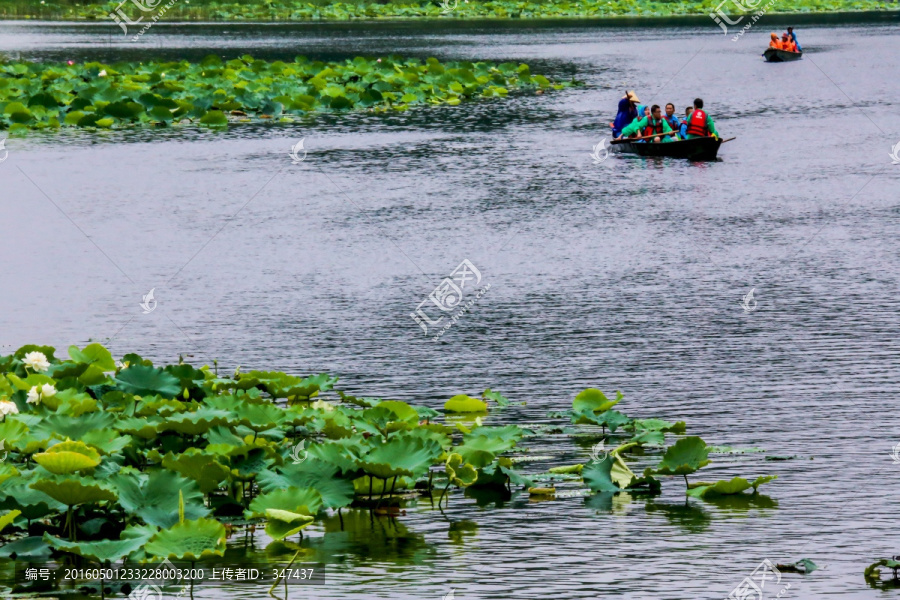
[34, 396]
[37, 361]
[102, 73]
[47, 391]
[8, 408]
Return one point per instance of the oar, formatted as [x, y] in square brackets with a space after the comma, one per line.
[729, 139]
[645, 137]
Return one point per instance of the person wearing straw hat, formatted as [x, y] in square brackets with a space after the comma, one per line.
[626, 114]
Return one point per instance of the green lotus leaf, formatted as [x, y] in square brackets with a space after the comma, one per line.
[9, 518]
[481, 450]
[459, 474]
[7, 471]
[465, 404]
[74, 491]
[659, 425]
[612, 419]
[249, 465]
[75, 428]
[311, 473]
[146, 381]
[497, 397]
[686, 456]
[188, 541]
[12, 430]
[93, 354]
[593, 400]
[16, 494]
[199, 466]
[507, 433]
[33, 547]
[649, 438]
[400, 455]
[146, 428]
[100, 550]
[598, 475]
[498, 473]
[401, 410]
[108, 441]
[296, 500]
[343, 454]
[154, 497]
[283, 523]
[761, 480]
[68, 457]
[873, 573]
[195, 423]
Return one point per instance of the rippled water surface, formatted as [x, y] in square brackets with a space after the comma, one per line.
[625, 275]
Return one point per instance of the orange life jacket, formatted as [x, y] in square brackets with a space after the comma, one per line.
[697, 123]
[775, 44]
[651, 128]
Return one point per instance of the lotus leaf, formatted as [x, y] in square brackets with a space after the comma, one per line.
[873, 573]
[497, 397]
[593, 400]
[686, 456]
[465, 404]
[196, 422]
[100, 550]
[154, 497]
[401, 455]
[459, 474]
[306, 501]
[188, 541]
[9, 518]
[68, 457]
[199, 466]
[33, 547]
[144, 380]
[481, 450]
[93, 354]
[74, 491]
[311, 473]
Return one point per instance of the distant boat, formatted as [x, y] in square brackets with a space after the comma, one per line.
[704, 148]
[775, 55]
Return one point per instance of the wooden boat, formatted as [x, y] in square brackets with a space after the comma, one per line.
[775, 55]
[704, 148]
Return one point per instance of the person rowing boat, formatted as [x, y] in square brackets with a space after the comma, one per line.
[700, 124]
[651, 127]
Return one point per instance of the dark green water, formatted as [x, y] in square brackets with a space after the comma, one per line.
[625, 275]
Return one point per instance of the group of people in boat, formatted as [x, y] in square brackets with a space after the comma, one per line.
[788, 41]
[649, 124]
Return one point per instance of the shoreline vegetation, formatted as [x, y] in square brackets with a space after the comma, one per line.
[319, 10]
[214, 92]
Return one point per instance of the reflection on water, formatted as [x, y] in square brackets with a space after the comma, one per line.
[625, 275]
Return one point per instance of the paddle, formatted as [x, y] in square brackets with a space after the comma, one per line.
[729, 139]
[645, 137]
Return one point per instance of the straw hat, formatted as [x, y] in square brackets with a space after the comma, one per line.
[632, 96]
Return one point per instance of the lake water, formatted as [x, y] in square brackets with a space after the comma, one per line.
[626, 274]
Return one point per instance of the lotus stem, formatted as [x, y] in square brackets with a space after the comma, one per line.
[686, 485]
[287, 567]
[383, 489]
[444, 493]
[370, 488]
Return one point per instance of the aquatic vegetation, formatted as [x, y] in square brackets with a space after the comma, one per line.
[160, 459]
[872, 574]
[214, 93]
[295, 10]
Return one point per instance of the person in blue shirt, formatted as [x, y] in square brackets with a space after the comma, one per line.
[682, 131]
[674, 122]
[794, 38]
[626, 114]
